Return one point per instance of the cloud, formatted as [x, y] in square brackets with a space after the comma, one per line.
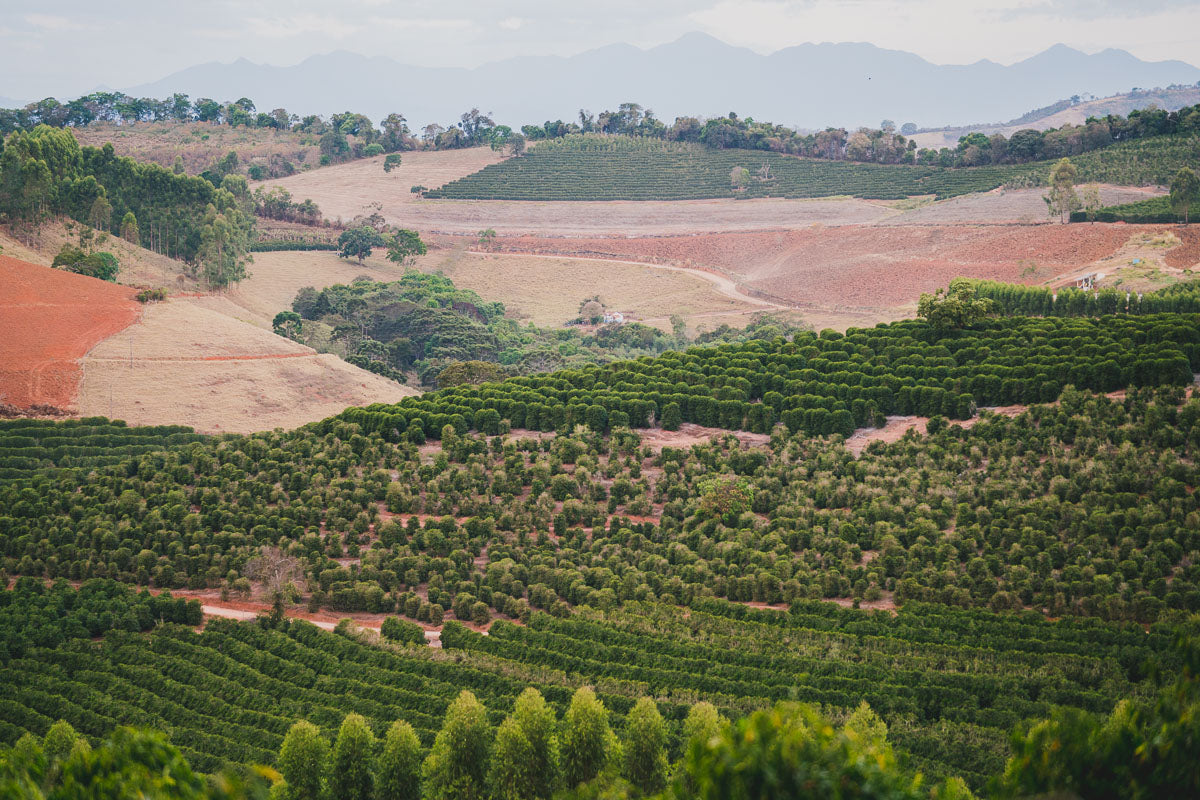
[285, 27]
[1100, 9]
[511, 23]
[51, 22]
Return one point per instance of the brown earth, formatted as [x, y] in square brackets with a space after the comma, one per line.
[192, 361]
[872, 272]
[49, 319]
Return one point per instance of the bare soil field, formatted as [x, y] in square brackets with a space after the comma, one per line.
[193, 365]
[860, 274]
[548, 290]
[1004, 207]
[48, 320]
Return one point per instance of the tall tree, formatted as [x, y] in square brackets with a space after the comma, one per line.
[224, 246]
[456, 768]
[129, 229]
[359, 242]
[398, 776]
[587, 740]
[405, 246]
[525, 759]
[353, 761]
[645, 747]
[1185, 190]
[303, 761]
[100, 214]
[1062, 200]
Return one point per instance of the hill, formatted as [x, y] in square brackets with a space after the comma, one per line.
[201, 145]
[1070, 113]
[696, 74]
[594, 167]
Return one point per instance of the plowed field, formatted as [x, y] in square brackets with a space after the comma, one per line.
[49, 319]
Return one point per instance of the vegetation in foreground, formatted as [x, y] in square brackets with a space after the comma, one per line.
[411, 721]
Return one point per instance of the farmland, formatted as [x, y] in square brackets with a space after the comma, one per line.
[938, 676]
[606, 168]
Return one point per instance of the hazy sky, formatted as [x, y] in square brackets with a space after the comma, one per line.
[69, 47]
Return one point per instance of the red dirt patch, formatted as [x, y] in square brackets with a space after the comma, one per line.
[1186, 255]
[49, 319]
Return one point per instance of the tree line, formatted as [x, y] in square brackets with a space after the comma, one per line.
[44, 172]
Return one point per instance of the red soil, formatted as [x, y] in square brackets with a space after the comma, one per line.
[1186, 255]
[858, 265]
[48, 320]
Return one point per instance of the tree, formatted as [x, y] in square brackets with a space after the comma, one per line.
[359, 242]
[646, 747]
[957, 308]
[792, 751]
[277, 571]
[129, 229]
[402, 631]
[739, 178]
[224, 244]
[587, 741]
[672, 417]
[525, 758]
[405, 246]
[287, 324]
[487, 239]
[726, 498]
[398, 776]
[1138, 751]
[471, 373]
[391, 161]
[334, 146]
[303, 761]
[1185, 191]
[1062, 200]
[353, 761]
[1091, 201]
[456, 768]
[100, 214]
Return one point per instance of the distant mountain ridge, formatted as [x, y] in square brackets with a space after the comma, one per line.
[808, 85]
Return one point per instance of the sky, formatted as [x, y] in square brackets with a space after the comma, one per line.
[67, 48]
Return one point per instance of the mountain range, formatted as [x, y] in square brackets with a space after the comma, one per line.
[808, 85]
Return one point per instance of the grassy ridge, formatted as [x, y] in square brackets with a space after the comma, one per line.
[589, 167]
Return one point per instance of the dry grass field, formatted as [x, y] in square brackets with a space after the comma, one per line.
[186, 363]
[138, 266]
[201, 144]
[548, 291]
[276, 277]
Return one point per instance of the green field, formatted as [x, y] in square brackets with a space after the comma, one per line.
[949, 683]
[1154, 210]
[590, 167]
